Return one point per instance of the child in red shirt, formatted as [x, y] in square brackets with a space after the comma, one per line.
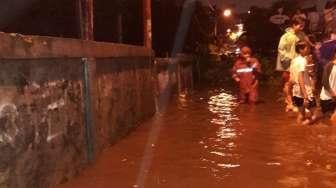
[245, 72]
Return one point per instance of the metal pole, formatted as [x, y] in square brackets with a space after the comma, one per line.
[216, 25]
[88, 109]
[86, 19]
[85, 10]
[147, 23]
[120, 28]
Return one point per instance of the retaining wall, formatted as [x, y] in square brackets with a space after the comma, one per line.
[62, 101]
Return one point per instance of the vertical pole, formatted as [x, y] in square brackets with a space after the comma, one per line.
[179, 76]
[120, 28]
[147, 23]
[85, 11]
[198, 69]
[88, 108]
[216, 25]
[86, 19]
[191, 76]
[155, 74]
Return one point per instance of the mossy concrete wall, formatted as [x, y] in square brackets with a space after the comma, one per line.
[63, 101]
[43, 104]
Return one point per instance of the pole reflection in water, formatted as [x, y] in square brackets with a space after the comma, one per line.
[207, 140]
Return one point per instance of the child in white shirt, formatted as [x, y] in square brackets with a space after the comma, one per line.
[328, 92]
[302, 84]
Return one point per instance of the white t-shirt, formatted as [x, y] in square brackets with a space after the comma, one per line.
[297, 66]
[325, 95]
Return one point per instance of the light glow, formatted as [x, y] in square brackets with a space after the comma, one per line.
[227, 12]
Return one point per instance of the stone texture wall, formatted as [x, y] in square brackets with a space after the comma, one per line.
[43, 127]
[125, 96]
[41, 122]
[174, 74]
[42, 130]
[44, 103]
[186, 79]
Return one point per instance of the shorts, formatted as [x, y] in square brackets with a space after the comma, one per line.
[298, 102]
[328, 106]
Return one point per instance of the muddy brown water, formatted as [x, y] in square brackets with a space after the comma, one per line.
[207, 140]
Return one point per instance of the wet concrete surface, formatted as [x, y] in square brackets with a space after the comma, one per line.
[208, 140]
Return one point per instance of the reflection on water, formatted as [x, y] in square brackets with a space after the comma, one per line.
[223, 105]
[219, 153]
[208, 140]
[250, 142]
[228, 165]
[223, 143]
[273, 164]
[225, 133]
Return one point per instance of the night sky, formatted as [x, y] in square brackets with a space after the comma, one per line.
[244, 5]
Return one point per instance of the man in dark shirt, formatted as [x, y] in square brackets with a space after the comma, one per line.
[325, 55]
[327, 50]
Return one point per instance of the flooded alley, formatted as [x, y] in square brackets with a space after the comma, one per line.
[144, 94]
[207, 140]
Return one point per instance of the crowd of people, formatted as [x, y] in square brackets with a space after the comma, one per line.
[307, 60]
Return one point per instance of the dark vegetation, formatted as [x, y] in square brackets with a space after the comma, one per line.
[59, 18]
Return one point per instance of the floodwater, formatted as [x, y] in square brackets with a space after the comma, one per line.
[207, 140]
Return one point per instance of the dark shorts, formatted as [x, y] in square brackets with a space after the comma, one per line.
[328, 106]
[298, 101]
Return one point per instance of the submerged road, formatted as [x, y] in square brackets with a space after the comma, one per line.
[208, 140]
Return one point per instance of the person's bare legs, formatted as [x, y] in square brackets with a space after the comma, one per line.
[288, 98]
[301, 115]
[287, 95]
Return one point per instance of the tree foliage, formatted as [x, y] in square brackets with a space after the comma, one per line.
[289, 6]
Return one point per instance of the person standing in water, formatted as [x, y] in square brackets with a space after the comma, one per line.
[301, 84]
[245, 72]
[286, 53]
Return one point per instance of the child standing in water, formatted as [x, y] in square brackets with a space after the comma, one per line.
[302, 83]
[328, 92]
[245, 72]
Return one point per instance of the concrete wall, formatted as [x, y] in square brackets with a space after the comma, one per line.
[45, 136]
[126, 96]
[62, 101]
[174, 73]
[41, 122]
